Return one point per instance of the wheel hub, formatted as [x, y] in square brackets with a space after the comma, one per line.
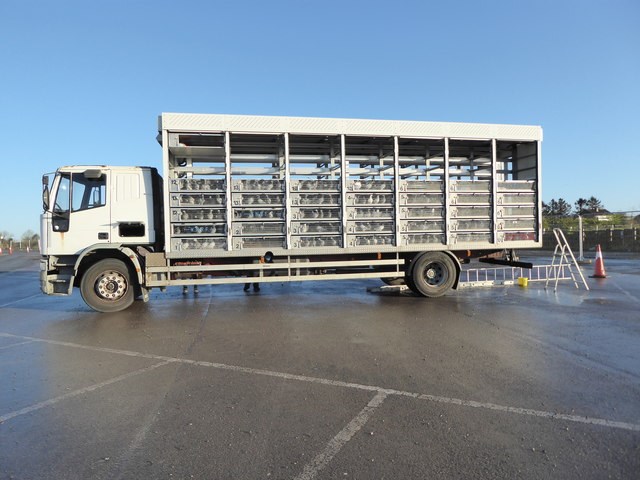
[435, 274]
[111, 285]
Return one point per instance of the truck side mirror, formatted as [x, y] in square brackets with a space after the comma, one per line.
[45, 198]
[62, 205]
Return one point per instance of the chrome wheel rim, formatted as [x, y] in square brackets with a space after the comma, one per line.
[111, 285]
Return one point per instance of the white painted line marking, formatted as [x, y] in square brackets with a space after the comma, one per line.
[21, 300]
[16, 344]
[122, 461]
[523, 411]
[336, 443]
[635, 299]
[75, 393]
[338, 383]
[206, 312]
[92, 348]
[221, 366]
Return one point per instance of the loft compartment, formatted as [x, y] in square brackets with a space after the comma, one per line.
[254, 214]
[197, 214]
[302, 228]
[421, 186]
[198, 229]
[257, 185]
[316, 242]
[315, 185]
[369, 213]
[197, 184]
[470, 186]
[370, 185]
[203, 199]
[421, 212]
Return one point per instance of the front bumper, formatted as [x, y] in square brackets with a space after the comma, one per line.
[54, 283]
[43, 276]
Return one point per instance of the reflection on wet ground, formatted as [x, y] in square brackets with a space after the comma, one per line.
[323, 380]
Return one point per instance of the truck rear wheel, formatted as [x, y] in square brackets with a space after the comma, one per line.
[106, 286]
[432, 274]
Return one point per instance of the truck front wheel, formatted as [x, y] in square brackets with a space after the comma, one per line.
[432, 274]
[106, 286]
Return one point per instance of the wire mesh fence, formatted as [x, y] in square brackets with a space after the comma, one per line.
[615, 231]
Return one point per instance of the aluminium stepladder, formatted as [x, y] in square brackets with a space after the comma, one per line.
[562, 252]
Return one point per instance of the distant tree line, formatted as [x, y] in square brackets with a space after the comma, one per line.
[28, 238]
[559, 213]
[581, 206]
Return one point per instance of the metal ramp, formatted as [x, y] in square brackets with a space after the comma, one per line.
[562, 267]
[486, 277]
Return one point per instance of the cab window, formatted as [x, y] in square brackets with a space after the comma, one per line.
[88, 193]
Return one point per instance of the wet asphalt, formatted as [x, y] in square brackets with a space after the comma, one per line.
[323, 380]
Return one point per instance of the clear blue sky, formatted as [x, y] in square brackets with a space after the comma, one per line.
[83, 81]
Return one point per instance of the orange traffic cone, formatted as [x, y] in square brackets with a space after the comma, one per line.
[599, 271]
[0, 250]
[10, 250]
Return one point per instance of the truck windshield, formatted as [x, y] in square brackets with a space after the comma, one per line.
[61, 204]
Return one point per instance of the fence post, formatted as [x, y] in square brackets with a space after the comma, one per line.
[580, 233]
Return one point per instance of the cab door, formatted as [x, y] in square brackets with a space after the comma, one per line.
[131, 206]
[81, 214]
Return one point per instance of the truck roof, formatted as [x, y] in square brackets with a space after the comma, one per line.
[194, 122]
[76, 168]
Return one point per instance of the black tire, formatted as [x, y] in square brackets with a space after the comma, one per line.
[393, 281]
[432, 274]
[106, 286]
[408, 279]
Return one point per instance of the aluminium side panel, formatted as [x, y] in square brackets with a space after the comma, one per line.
[447, 195]
[344, 168]
[539, 189]
[494, 191]
[396, 192]
[165, 183]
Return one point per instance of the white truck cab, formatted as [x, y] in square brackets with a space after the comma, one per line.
[89, 209]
